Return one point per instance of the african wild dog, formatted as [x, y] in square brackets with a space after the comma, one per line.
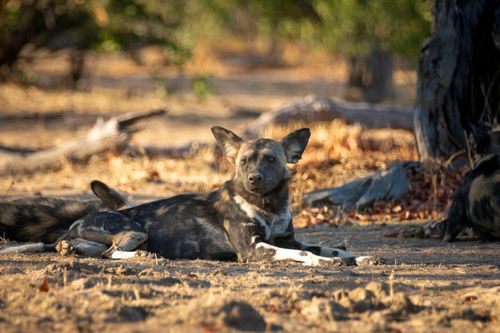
[248, 218]
[44, 219]
[476, 203]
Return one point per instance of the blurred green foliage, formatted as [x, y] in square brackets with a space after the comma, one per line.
[352, 27]
[359, 26]
[202, 86]
[102, 25]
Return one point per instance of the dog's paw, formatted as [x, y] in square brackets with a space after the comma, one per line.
[335, 261]
[65, 248]
[369, 261]
[145, 254]
[338, 261]
[340, 246]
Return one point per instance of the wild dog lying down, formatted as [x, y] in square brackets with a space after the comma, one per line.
[476, 203]
[43, 219]
[248, 218]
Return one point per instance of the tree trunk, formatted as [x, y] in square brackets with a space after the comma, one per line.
[370, 77]
[458, 87]
[77, 66]
[13, 42]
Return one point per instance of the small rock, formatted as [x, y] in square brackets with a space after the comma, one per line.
[377, 317]
[361, 300]
[166, 281]
[127, 314]
[219, 313]
[340, 294]
[402, 304]
[242, 316]
[320, 309]
[380, 290]
[194, 283]
[361, 294]
[86, 283]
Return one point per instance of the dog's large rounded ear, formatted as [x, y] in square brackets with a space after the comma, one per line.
[228, 141]
[110, 198]
[295, 143]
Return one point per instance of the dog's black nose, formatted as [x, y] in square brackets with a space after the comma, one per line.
[255, 178]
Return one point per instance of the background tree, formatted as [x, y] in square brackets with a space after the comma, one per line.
[458, 90]
[369, 33]
[108, 25]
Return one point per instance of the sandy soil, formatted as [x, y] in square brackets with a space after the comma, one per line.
[426, 285]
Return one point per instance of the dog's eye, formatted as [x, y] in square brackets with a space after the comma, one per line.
[243, 160]
[269, 158]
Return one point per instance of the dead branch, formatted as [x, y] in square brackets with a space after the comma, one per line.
[389, 184]
[112, 134]
[315, 109]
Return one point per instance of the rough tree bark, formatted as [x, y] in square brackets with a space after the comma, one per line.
[458, 87]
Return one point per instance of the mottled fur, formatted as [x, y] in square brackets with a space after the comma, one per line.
[248, 218]
[476, 202]
[42, 219]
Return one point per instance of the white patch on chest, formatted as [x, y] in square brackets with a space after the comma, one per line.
[274, 226]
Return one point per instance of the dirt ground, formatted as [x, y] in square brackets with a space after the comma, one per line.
[426, 285]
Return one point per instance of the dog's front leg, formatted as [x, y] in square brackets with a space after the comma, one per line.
[261, 251]
[333, 252]
[247, 239]
[329, 252]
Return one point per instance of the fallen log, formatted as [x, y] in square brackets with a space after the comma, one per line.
[315, 109]
[112, 134]
[389, 184]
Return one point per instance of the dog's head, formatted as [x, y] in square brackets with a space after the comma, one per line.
[261, 164]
